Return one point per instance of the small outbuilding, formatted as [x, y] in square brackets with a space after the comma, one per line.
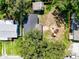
[38, 6]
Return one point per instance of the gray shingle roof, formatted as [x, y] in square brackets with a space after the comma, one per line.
[31, 23]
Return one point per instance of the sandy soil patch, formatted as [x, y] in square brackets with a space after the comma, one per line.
[49, 21]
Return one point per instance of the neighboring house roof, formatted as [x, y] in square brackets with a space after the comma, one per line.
[7, 30]
[31, 23]
[11, 57]
[75, 30]
[76, 35]
[6, 21]
[75, 49]
[74, 27]
[38, 6]
[67, 58]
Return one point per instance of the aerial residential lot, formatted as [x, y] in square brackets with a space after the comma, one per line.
[39, 29]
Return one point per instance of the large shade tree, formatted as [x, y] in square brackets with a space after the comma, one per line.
[16, 8]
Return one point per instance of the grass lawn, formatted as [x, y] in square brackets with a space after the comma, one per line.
[12, 47]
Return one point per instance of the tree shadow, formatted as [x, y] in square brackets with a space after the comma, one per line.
[41, 12]
[60, 16]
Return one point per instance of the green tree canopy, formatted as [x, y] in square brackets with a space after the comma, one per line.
[34, 47]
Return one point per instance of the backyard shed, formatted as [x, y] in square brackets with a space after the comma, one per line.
[8, 29]
[37, 6]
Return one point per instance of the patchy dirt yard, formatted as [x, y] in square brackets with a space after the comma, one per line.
[53, 27]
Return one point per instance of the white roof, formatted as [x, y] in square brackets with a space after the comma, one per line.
[72, 57]
[7, 30]
[76, 34]
[6, 21]
[11, 57]
[75, 49]
[3, 38]
[67, 58]
[38, 5]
